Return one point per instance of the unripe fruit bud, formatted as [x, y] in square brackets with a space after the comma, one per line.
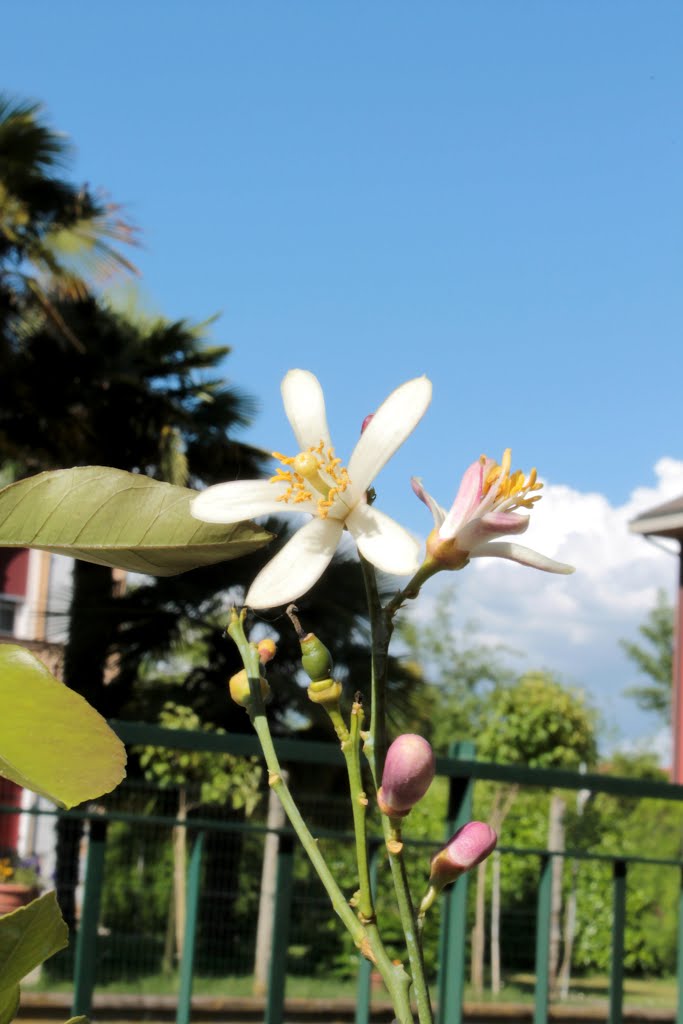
[468, 846]
[240, 691]
[408, 772]
[266, 650]
[316, 660]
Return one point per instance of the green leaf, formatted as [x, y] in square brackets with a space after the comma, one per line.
[28, 936]
[120, 519]
[9, 1003]
[51, 740]
[77, 1020]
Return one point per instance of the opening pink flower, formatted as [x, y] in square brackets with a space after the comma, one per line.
[470, 845]
[466, 848]
[485, 509]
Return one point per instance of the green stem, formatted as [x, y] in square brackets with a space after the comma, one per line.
[359, 805]
[411, 589]
[366, 938]
[394, 843]
[350, 745]
[257, 714]
[381, 626]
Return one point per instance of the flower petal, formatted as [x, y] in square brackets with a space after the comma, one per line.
[424, 495]
[490, 527]
[242, 499]
[393, 422]
[466, 500]
[299, 564]
[525, 556]
[383, 541]
[305, 407]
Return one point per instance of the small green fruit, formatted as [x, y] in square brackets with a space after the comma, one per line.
[315, 658]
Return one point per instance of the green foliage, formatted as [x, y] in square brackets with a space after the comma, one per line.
[655, 659]
[538, 722]
[139, 872]
[118, 519]
[216, 777]
[9, 1003]
[28, 936]
[627, 826]
[78, 756]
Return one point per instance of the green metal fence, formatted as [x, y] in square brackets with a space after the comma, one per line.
[461, 771]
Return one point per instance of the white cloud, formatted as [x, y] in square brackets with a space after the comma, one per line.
[573, 624]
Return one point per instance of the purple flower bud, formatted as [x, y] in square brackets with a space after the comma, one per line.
[366, 421]
[408, 772]
[468, 846]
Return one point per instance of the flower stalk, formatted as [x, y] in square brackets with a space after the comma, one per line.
[492, 505]
[365, 935]
[381, 629]
[394, 844]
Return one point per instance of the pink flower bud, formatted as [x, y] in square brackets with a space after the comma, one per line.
[408, 772]
[366, 421]
[468, 846]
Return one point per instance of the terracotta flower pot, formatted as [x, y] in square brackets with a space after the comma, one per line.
[14, 895]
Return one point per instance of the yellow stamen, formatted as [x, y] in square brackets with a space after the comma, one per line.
[511, 488]
[316, 469]
[288, 460]
[281, 474]
[491, 477]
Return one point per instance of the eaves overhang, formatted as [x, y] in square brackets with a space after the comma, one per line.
[662, 521]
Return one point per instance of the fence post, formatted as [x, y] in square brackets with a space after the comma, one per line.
[282, 909]
[363, 989]
[194, 876]
[616, 973]
[275, 820]
[679, 954]
[452, 935]
[543, 908]
[86, 938]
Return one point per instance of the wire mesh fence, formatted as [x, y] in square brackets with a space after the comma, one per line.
[139, 932]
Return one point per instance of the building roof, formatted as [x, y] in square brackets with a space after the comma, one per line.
[661, 521]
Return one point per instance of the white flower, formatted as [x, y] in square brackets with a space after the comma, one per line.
[314, 481]
[484, 510]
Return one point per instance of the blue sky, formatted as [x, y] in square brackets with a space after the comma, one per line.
[488, 193]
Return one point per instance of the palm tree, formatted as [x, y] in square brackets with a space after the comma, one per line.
[116, 403]
[144, 396]
[57, 239]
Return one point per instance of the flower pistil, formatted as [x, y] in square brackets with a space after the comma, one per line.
[315, 469]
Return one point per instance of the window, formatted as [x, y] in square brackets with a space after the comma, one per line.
[7, 610]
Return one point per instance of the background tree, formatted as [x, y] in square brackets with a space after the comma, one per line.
[57, 239]
[645, 828]
[543, 724]
[113, 404]
[654, 659]
[198, 778]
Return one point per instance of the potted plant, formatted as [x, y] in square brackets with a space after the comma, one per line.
[19, 883]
